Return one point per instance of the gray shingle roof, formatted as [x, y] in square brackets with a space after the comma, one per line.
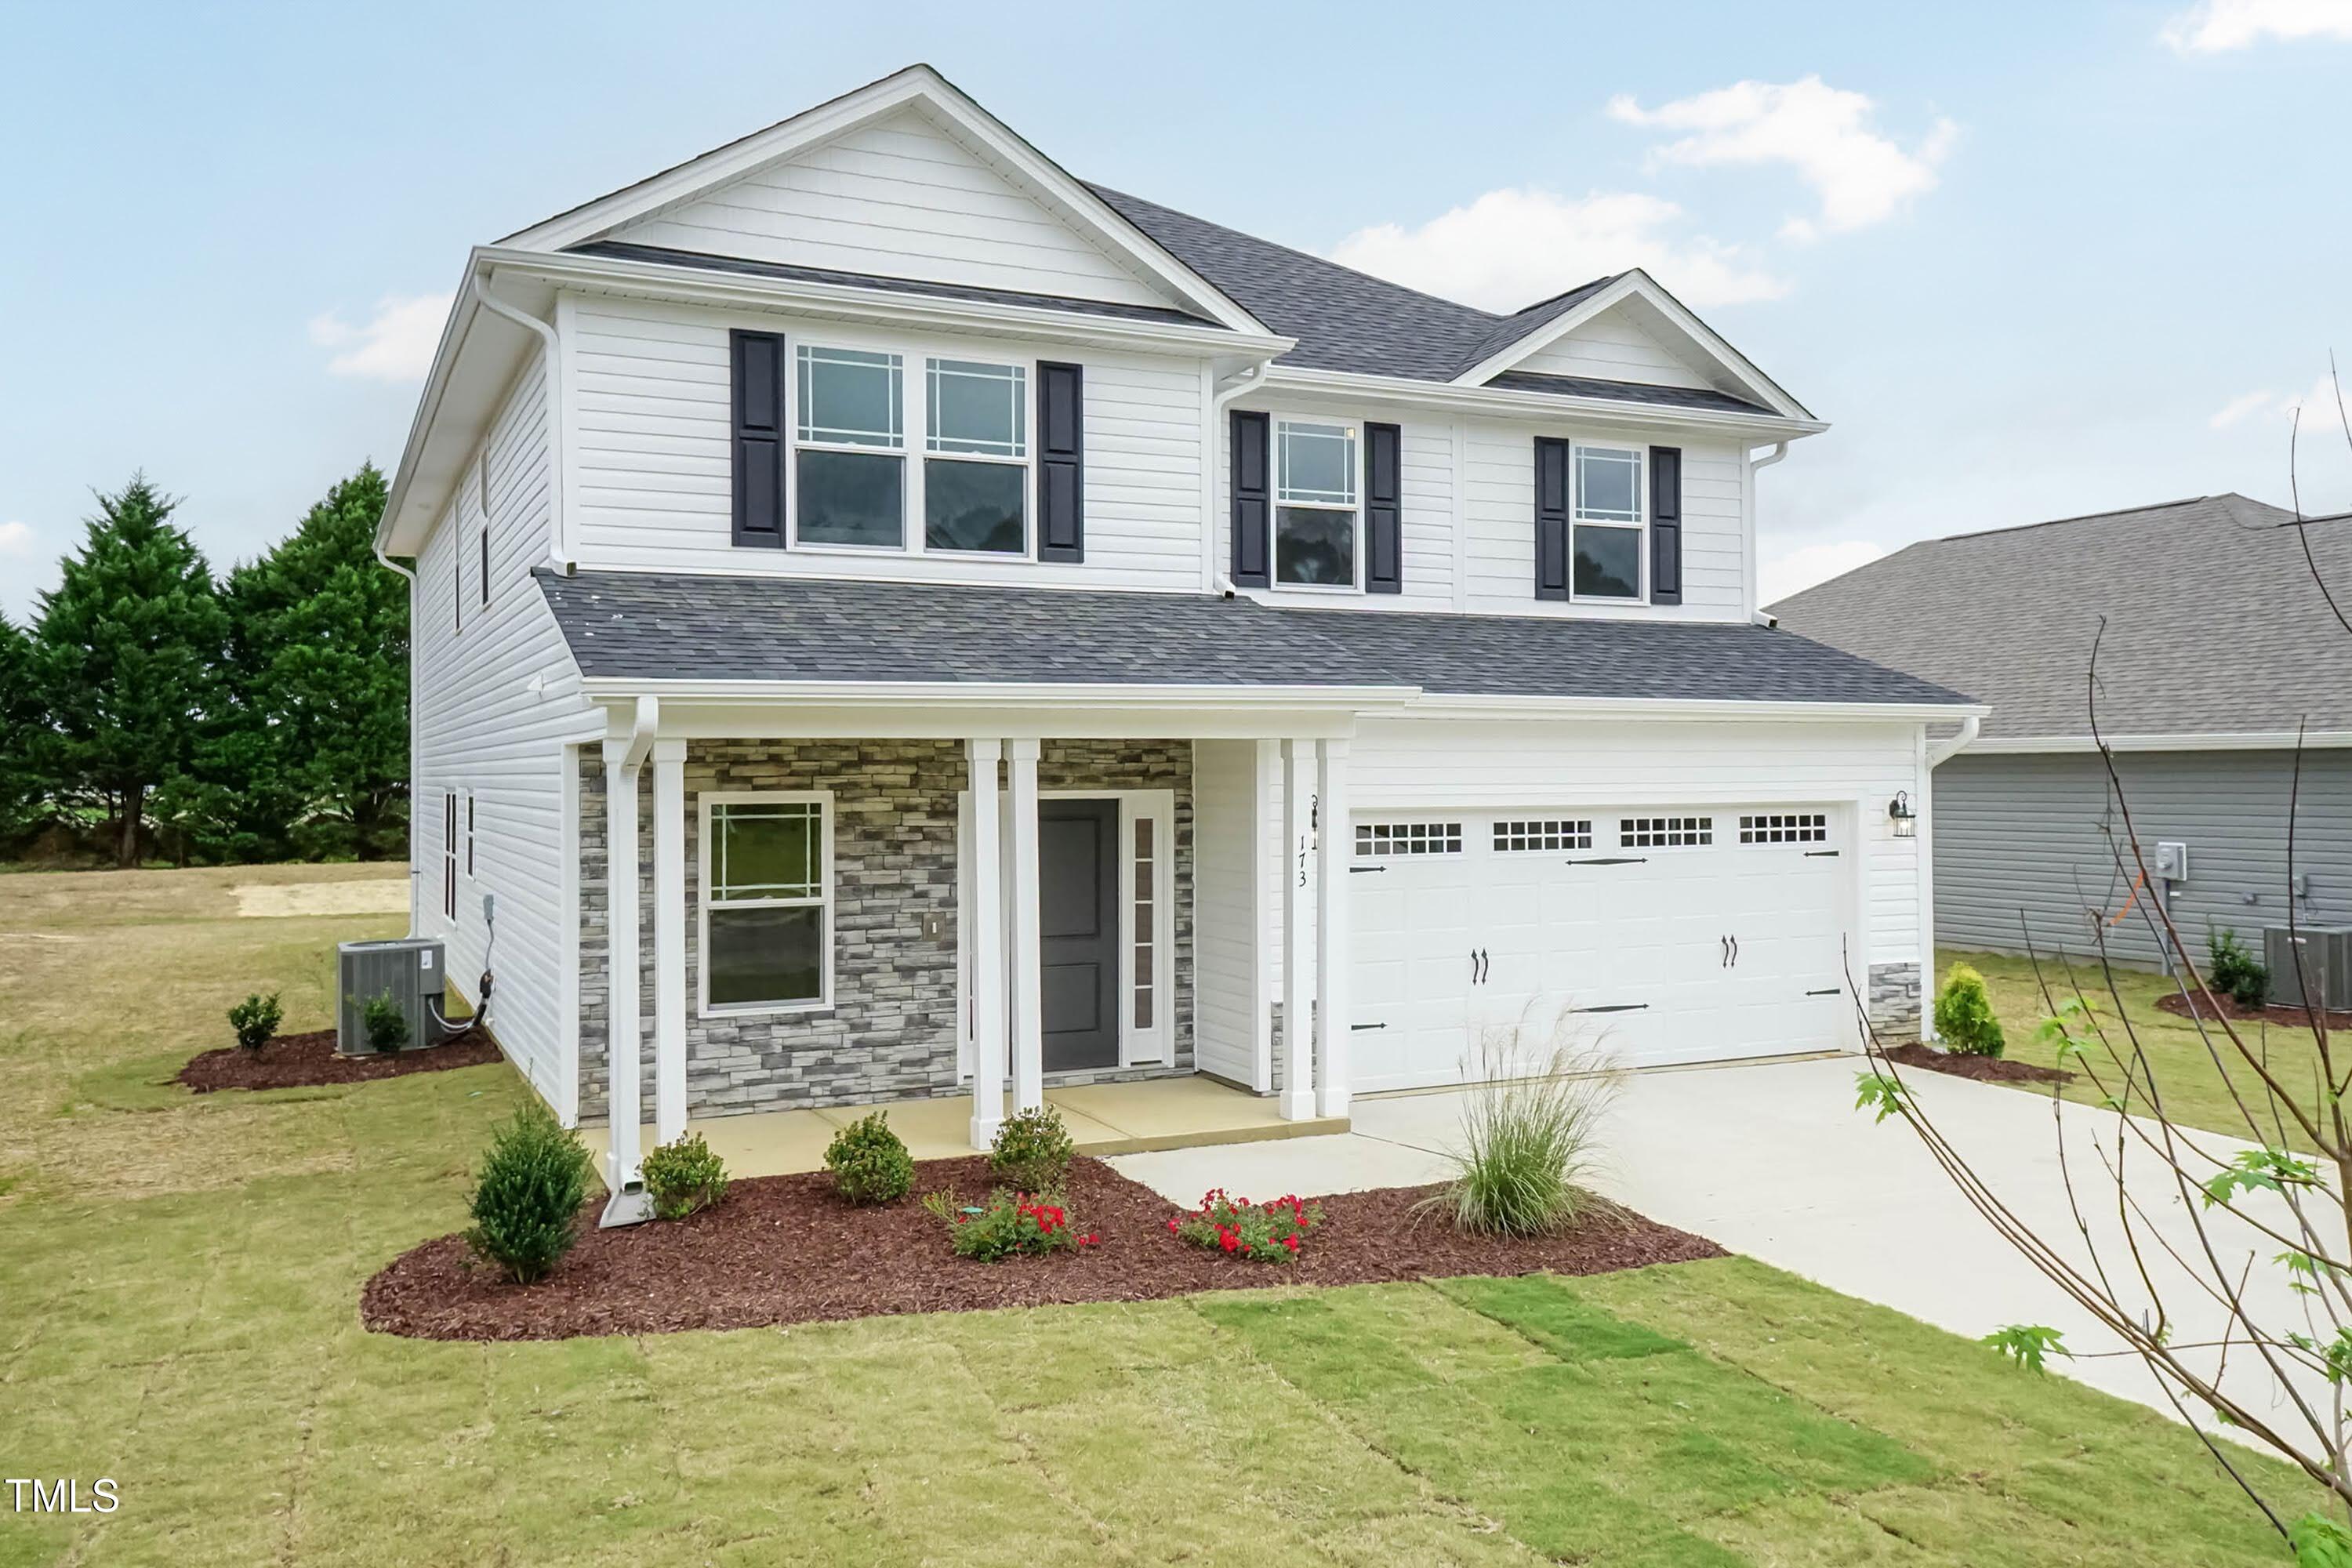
[1632, 391]
[624, 250]
[2214, 623]
[667, 626]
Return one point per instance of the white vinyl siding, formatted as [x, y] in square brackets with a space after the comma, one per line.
[484, 736]
[901, 198]
[1612, 346]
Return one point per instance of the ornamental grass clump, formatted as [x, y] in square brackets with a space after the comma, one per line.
[256, 1020]
[1262, 1233]
[526, 1205]
[1964, 1016]
[684, 1175]
[869, 1162]
[1529, 1138]
[1031, 1151]
[1010, 1225]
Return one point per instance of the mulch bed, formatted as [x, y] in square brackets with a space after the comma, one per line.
[1985, 1069]
[301, 1061]
[784, 1250]
[2173, 1002]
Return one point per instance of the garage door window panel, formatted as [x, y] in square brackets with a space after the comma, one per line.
[1666, 832]
[1391, 839]
[1786, 827]
[1524, 837]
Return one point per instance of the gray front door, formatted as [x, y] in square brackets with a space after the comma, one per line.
[1078, 927]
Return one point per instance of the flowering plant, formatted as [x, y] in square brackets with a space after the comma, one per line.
[1010, 1225]
[1263, 1233]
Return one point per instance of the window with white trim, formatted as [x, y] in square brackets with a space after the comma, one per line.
[1147, 924]
[1408, 838]
[849, 441]
[1517, 838]
[449, 854]
[1606, 537]
[766, 901]
[976, 470]
[470, 833]
[1786, 827]
[1317, 505]
[1664, 832]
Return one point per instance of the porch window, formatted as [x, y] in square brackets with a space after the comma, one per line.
[1607, 547]
[1316, 505]
[767, 900]
[849, 466]
[1147, 924]
[976, 498]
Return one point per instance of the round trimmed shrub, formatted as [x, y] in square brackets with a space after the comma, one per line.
[385, 1024]
[1964, 1015]
[869, 1162]
[256, 1020]
[526, 1205]
[1031, 1151]
[684, 1175]
[2236, 973]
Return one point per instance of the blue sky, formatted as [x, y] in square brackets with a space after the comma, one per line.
[2030, 261]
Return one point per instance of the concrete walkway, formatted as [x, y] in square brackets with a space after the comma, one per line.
[1773, 1160]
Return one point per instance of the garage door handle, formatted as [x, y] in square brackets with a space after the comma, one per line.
[1723, 953]
[1832, 991]
[1615, 1007]
[1362, 1026]
[1607, 860]
[1821, 854]
[1359, 870]
[1734, 952]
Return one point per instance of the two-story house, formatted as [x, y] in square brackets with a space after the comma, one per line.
[893, 619]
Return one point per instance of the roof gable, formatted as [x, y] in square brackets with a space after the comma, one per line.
[906, 177]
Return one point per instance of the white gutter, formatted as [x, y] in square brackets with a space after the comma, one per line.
[1552, 405]
[967, 693]
[2190, 741]
[552, 397]
[1756, 612]
[1943, 749]
[1247, 379]
[390, 564]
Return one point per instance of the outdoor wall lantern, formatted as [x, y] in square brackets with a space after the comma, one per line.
[1899, 813]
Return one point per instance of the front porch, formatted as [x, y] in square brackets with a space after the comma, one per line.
[1105, 1119]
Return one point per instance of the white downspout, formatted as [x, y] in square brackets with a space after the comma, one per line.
[414, 800]
[1246, 379]
[553, 401]
[1755, 610]
[1942, 751]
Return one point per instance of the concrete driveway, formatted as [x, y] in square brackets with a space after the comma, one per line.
[1773, 1160]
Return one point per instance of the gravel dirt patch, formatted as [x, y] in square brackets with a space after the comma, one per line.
[2179, 1005]
[784, 1250]
[1984, 1069]
[369, 895]
[302, 1061]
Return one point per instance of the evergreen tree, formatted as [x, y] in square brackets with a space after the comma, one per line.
[128, 654]
[22, 788]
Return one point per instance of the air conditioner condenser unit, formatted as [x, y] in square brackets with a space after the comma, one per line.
[2313, 959]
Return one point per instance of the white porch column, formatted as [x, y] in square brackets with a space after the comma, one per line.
[1333, 1011]
[983, 934]
[1297, 952]
[670, 940]
[627, 1205]
[1028, 1011]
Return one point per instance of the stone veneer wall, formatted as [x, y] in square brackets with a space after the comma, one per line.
[1895, 1000]
[891, 1031]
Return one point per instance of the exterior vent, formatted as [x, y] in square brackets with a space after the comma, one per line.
[411, 967]
[2325, 965]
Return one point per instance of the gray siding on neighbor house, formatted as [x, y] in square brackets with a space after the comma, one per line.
[2030, 840]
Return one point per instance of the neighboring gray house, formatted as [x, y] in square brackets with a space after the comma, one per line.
[2218, 644]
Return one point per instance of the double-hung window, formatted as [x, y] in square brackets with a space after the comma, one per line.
[767, 900]
[976, 472]
[849, 462]
[1317, 505]
[1606, 551]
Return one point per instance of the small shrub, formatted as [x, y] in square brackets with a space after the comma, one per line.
[2236, 973]
[1530, 1137]
[386, 1024]
[869, 1162]
[1010, 1225]
[254, 1019]
[1263, 1233]
[1964, 1015]
[527, 1202]
[1031, 1151]
[684, 1175]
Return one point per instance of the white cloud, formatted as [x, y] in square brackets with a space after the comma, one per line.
[2215, 26]
[1794, 570]
[1511, 247]
[394, 344]
[2317, 407]
[1826, 134]
[15, 538]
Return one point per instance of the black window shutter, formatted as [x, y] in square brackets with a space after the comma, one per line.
[1383, 509]
[1665, 525]
[1251, 492]
[757, 366]
[1061, 463]
[1551, 518]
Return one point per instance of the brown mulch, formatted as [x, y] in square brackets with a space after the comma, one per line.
[1985, 1069]
[2173, 1002]
[784, 1250]
[299, 1061]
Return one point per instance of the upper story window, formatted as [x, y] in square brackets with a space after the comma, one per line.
[1318, 508]
[978, 497]
[1605, 551]
[848, 464]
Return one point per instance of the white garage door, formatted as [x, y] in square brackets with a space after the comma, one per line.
[1662, 935]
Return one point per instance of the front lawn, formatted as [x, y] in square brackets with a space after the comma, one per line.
[2196, 1091]
[180, 1275]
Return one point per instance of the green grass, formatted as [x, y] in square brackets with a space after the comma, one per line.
[2197, 1091]
[178, 1278]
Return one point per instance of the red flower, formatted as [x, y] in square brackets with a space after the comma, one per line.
[1228, 1239]
[1090, 1240]
[1174, 1225]
[1291, 1242]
